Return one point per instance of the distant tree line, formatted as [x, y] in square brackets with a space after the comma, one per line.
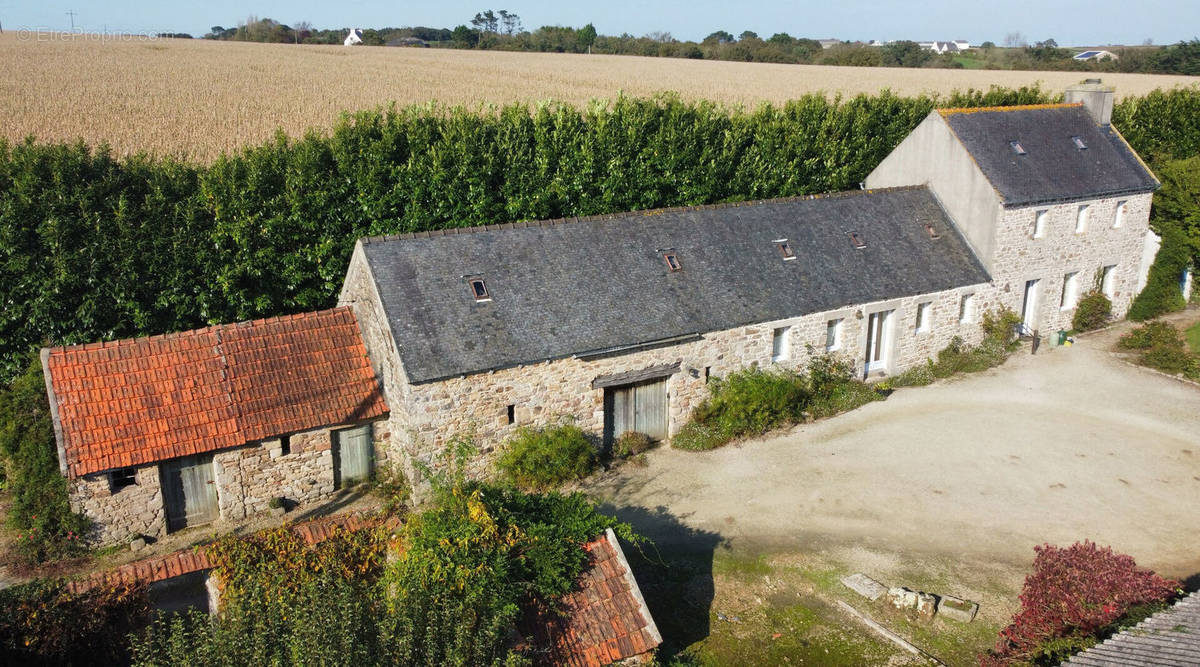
[502, 30]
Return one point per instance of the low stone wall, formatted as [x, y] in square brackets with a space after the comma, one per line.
[247, 478]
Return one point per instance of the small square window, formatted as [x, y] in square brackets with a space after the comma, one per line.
[121, 478]
[1081, 219]
[785, 250]
[1078, 141]
[779, 344]
[479, 290]
[1119, 216]
[672, 261]
[1039, 223]
[1016, 147]
[833, 335]
[857, 240]
[923, 313]
[966, 309]
[285, 445]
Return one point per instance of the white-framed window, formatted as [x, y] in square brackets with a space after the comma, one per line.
[1039, 223]
[779, 344]
[1081, 218]
[1119, 215]
[833, 335]
[1070, 291]
[1108, 280]
[924, 312]
[966, 309]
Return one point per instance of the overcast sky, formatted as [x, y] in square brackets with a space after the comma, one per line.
[1070, 22]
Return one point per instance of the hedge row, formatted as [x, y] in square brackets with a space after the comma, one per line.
[95, 247]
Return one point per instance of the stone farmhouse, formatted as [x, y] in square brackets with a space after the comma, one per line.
[618, 321]
[161, 433]
[614, 321]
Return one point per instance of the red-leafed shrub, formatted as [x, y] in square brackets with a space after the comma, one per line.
[1072, 598]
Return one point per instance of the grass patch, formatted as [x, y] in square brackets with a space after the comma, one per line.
[1193, 336]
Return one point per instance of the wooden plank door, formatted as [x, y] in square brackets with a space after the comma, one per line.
[353, 456]
[189, 491]
[638, 407]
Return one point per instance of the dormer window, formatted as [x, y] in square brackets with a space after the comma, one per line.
[1016, 147]
[785, 249]
[1078, 141]
[857, 240]
[672, 262]
[479, 290]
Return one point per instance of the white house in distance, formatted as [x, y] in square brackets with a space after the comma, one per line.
[355, 37]
[940, 48]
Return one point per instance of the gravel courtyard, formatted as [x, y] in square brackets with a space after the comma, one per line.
[1067, 445]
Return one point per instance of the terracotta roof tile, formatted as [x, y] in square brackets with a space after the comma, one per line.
[603, 621]
[137, 401]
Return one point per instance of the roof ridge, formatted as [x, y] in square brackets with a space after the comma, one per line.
[553, 222]
[199, 331]
[950, 111]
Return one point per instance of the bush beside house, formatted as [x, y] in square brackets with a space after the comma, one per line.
[1092, 312]
[1075, 597]
[541, 457]
[1161, 346]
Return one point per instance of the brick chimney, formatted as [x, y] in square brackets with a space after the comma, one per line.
[1097, 98]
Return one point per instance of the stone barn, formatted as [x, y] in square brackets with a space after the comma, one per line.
[618, 321]
[162, 433]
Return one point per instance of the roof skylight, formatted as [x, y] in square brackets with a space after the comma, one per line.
[672, 261]
[933, 233]
[857, 240]
[1016, 147]
[785, 249]
[479, 289]
[1079, 143]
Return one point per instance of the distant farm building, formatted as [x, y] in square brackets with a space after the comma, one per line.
[955, 46]
[355, 37]
[1096, 54]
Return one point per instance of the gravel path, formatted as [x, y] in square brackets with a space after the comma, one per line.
[1067, 445]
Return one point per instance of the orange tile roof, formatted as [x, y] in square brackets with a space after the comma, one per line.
[604, 621]
[136, 401]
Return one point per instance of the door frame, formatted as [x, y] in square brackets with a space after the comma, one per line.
[1030, 308]
[880, 337]
[335, 447]
[610, 433]
[175, 495]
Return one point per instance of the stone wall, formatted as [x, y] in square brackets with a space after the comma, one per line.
[478, 405]
[1021, 257]
[247, 479]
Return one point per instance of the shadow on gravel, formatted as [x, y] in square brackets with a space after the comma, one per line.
[675, 574]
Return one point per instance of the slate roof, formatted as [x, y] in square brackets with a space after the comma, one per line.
[605, 620]
[131, 402]
[1170, 637]
[1053, 168]
[570, 287]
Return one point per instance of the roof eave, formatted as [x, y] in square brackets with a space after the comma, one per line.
[1079, 198]
[60, 444]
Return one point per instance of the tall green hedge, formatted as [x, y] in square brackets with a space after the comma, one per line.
[95, 247]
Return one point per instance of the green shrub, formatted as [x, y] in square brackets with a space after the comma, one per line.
[43, 623]
[1162, 294]
[1092, 311]
[40, 515]
[542, 457]
[917, 376]
[698, 437]
[835, 387]
[998, 342]
[753, 401]
[631, 443]
[393, 490]
[1162, 347]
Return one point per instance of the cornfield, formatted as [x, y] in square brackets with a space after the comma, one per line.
[198, 99]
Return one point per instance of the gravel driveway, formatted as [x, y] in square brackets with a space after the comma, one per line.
[1067, 445]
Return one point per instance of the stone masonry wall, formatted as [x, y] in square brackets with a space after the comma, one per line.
[477, 405]
[247, 479]
[1020, 257]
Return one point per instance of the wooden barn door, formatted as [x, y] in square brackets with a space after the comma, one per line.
[189, 491]
[640, 407]
[353, 455]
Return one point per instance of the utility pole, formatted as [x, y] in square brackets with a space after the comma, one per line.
[71, 13]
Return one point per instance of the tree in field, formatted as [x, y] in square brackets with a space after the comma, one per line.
[748, 34]
[905, 53]
[511, 22]
[781, 39]
[719, 37]
[464, 38]
[1014, 39]
[486, 21]
[586, 37]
